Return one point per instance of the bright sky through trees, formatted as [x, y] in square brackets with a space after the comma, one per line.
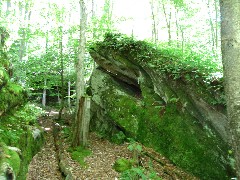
[129, 16]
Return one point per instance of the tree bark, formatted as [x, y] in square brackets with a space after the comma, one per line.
[77, 126]
[78, 123]
[154, 25]
[85, 121]
[216, 23]
[212, 28]
[177, 26]
[230, 41]
[8, 7]
[81, 54]
[44, 93]
[62, 73]
[69, 94]
[168, 18]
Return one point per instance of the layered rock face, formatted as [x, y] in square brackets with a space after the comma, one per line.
[172, 114]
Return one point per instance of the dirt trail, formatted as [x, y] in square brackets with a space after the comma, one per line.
[44, 165]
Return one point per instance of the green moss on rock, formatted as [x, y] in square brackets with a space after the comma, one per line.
[11, 95]
[29, 145]
[159, 112]
[18, 129]
[184, 142]
[3, 77]
[11, 158]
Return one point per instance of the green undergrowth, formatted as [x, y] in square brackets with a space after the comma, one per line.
[131, 169]
[118, 138]
[13, 124]
[166, 58]
[123, 164]
[79, 153]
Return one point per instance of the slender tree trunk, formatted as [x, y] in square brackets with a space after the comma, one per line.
[44, 93]
[183, 38]
[177, 26]
[212, 28]
[168, 22]
[58, 95]
[154, 26]
[62, 72]
[230, 41]
[81, 55]
[216, 23]
[8, 7]
[93, 17]
[45, 80]
[69, 94]
[77, 127]
[94, 29]
[22, 45]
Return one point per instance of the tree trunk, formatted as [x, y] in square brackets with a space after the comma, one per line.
[94, 29]
[22, 48]
[212, 28]
[85, 121]
[81, 55]
[44, 93]
[45, 80]
[177, 26]
[93, 18]
[77, 126]
[154, 26]
[78, 123]
[216, 23]
[8, 7]
[80, 136]
[168, 23]
[62, 71]
[69, 94]
[182, 34]
[230, 41]
[58, 96]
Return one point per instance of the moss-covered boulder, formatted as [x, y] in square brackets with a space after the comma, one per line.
[11, 94]
[9, 162]
[14, 161]
[170, 107]
[20, 137]
[19, 132]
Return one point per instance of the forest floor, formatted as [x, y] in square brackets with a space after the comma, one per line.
[54, 161]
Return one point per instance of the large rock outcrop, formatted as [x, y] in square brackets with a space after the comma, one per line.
[20, 139]
[143, 92]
